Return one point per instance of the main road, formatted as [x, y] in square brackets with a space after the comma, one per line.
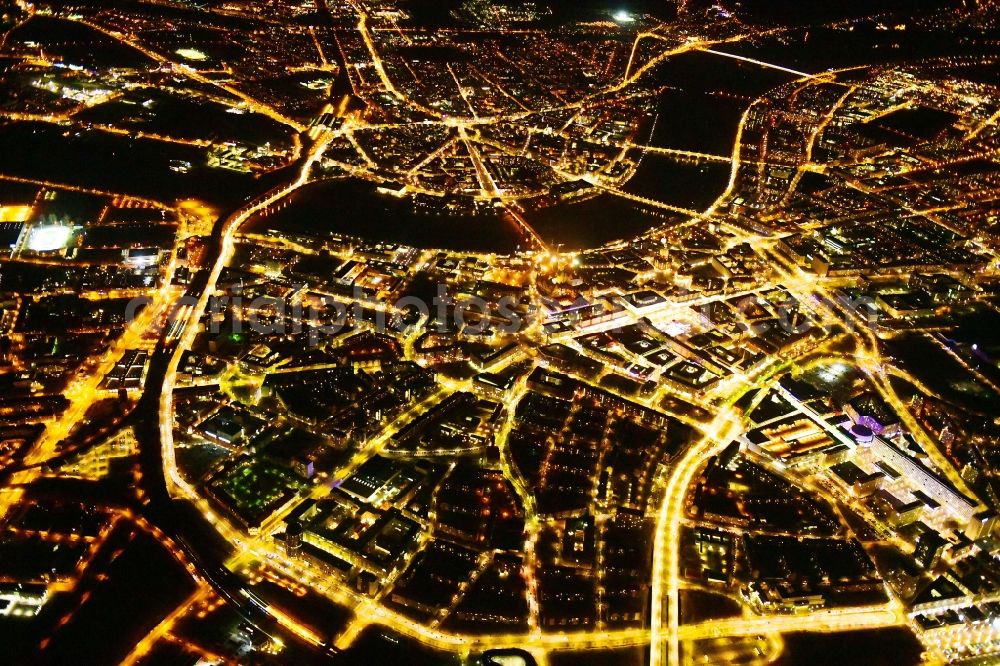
[665, 589]
[152, 422]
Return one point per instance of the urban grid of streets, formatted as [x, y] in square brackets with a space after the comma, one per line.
[721, 424]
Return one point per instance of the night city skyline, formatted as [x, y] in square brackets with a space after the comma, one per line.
[500, 332]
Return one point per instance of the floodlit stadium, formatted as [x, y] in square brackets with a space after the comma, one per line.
[49, 238]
